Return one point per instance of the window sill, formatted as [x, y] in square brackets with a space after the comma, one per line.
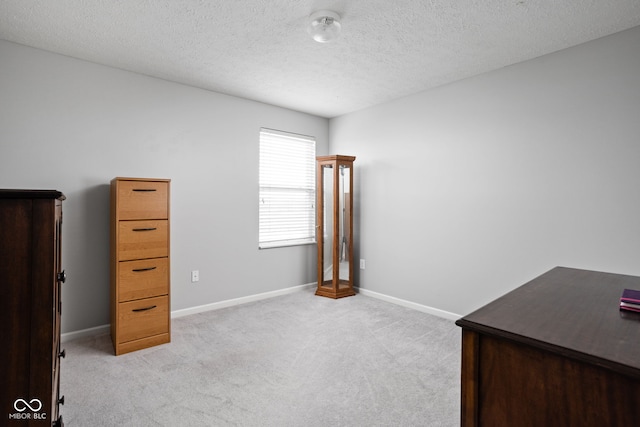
[271, 245]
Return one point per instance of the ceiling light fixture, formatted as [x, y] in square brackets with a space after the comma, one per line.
[324, 26]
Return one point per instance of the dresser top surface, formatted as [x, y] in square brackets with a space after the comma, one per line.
[569, 311]
[30, 194]
[123, 178]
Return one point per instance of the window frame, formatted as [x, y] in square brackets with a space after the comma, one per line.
[289, 196]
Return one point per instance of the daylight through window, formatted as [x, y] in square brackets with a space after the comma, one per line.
[287, 189]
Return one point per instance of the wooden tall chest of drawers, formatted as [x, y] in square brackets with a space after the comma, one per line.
[140, 267]
[30, 307]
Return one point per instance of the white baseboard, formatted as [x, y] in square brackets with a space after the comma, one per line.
[105, 329]
[237, 301]
[98, 330]
[423, 308]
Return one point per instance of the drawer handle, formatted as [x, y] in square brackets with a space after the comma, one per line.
[144, 309]
[61, 401]
[143, 269]
[144, 189]
[145, 229]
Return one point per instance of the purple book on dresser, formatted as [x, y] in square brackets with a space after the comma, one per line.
[630, 300]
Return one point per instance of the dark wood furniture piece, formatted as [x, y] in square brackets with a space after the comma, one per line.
[140, 277]
[556, 351]
[30, 307]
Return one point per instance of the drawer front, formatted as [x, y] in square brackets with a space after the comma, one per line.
[143, 239]
[143, 200]
[143, 279]
[143, 318]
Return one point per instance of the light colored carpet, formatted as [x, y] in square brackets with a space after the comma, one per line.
[293, 360]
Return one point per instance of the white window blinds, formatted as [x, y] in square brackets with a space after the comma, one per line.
[287, 189]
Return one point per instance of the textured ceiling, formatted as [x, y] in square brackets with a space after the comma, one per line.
[259, 49]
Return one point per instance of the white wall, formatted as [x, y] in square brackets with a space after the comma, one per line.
[462, 193]
[469, 190]
[72, 126]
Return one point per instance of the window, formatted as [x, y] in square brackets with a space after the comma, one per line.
[287, 189]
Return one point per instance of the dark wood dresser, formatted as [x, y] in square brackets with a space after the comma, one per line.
[30, 307]
[556, 351]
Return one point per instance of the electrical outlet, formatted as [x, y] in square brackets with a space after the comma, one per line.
[195, 276]
[361, 264]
